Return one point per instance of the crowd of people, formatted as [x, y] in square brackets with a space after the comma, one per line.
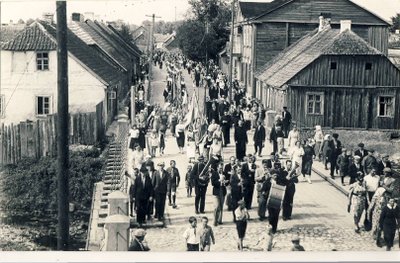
[373, 188]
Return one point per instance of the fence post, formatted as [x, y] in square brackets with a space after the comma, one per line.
[118, 203]
[117, 233]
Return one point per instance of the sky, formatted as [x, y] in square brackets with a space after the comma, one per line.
[135, 11]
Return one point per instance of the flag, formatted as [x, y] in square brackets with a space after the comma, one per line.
[193, 111]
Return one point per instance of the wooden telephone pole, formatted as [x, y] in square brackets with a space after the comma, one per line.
[62, 127]
[231, 51]
[151, 41]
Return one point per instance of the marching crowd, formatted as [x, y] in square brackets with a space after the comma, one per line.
[374, 189]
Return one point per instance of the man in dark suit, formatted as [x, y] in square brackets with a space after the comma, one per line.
[286, 121]
[219, 182]
[160, 183]
[361, 151]
[213, 114]
[143, 193]
[200, 184]
[259, 138]
[369, 162]
[226, 127]
[248, 180]
[240, 140]
[336, 151]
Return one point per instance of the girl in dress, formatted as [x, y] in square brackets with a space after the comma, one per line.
[297, 156]
[293, 137]
[153, 142]
[241, 217]
[180, 135]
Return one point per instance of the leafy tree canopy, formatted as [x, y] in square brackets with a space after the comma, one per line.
[395, 22]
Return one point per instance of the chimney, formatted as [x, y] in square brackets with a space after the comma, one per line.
[48, 17]
[77, 17]
[345, 25]
[324, 23]
[89, 16]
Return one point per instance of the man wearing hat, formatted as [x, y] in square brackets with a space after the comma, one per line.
[160, 183]
[355, 168]
[336, 151]
[383, 163]
[361, 151]
[138, 243]
[296, 244]
[240, 140]
[200, 184]
[142, 193]
[286, 121]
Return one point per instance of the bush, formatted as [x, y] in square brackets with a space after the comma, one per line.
[30, 187]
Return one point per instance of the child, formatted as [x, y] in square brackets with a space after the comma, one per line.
[296, 244]
[191, 237]
[206, 235]
[188, 180]
[343, 163]
[153, 143]
[241, 217]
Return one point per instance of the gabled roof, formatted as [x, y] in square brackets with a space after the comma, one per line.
[161, 38]
[138, 31]
[87, 56]
[254, 9]
[105, 44]
[278, 4]
[298, 56]
[33, 37]
[116, 36]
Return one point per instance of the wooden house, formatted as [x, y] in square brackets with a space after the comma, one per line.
[333, 78]
[263, 30]
[29, 76]
[141, 38]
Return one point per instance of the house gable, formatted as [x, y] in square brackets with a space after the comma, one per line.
[308, 11]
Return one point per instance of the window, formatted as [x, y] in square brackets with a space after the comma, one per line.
[315, 103]
[2, 106]
[42, 61]
[368, 66]
[333, 65]
[386, 106]
[43, 105]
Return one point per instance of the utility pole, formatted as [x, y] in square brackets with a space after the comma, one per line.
[231, 51]
[62, 127]
[133, 104]
[151, 53]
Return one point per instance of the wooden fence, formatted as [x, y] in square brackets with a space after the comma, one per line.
[38, 139]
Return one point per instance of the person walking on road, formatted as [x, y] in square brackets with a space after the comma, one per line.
[160, 183]
[390, 222]
[201, 181]
[259, 138]
[240, 140]
[189, 181]
[180, 135]
[291, 177]
[357, 200]
[206, 235]
[248, 180]
[191, 235]
[219, 183]
[307, 160]
[241, 217]
[143, 193]
[286, 121]
[173, 183]
[263, 181]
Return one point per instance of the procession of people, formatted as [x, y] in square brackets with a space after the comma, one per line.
[201, 137]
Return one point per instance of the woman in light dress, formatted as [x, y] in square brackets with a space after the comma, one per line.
[319, 139]
[215, 148]
[297, 156]
[293, 137]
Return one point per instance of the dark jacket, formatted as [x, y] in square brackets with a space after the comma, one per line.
[137, 246]
[140, 191]
[196, 171]
[173, 180]
[259, 135]
[217, 185]
[248, 176]
[358, 153]
[160, 183]
[241, 134]
[286, 118]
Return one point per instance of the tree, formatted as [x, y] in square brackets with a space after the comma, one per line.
[395, 23]
[191, 35]
[126, 32]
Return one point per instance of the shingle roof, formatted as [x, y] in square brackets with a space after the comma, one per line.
[89, 57]
[92, 37]
[296, 57]
[31, 38]
[255, 9]
[130, 46]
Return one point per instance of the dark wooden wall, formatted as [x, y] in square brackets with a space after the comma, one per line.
[344, 107]
[350, 71]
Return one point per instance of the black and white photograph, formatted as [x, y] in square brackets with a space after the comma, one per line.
[200, 125]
